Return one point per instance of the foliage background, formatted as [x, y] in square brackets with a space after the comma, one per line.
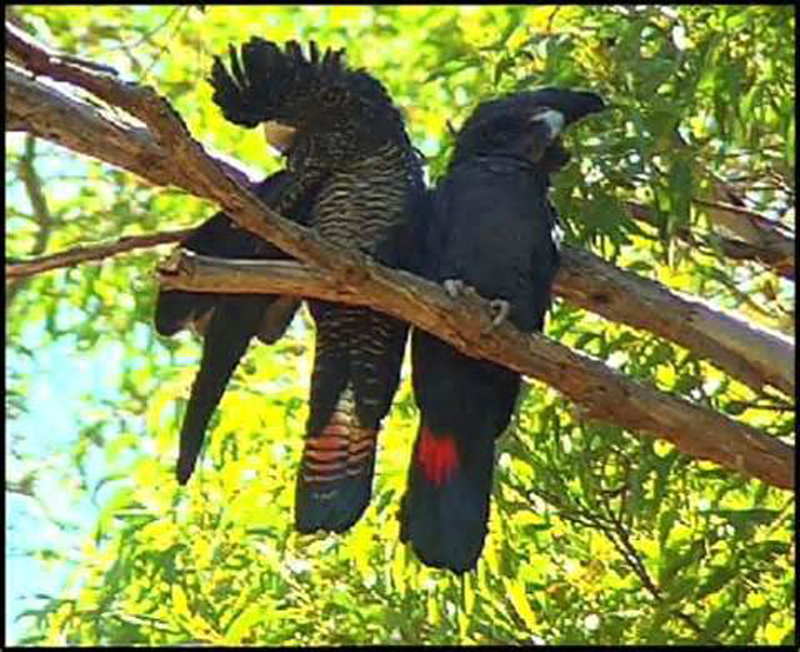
[597, 537]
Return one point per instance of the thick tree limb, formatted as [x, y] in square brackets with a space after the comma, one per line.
[466, 323]
[607, 395]
[754, 355]
[48, 112]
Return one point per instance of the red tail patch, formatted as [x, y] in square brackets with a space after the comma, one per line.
[437, 455]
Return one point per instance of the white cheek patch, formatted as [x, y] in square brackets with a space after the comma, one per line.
[278, 135]
[554, 120]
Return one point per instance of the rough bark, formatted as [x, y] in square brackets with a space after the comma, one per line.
[466, 323]
[752, 354]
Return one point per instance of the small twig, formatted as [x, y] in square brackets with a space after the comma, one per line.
[774, 407]
[41, 210]
[621, 539]
[82, 254]
[163, 47]
[146, 36]
[777, 255]
[100, 67]
[33, 186]
[613, 527]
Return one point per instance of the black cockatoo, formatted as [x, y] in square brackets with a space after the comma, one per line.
[344, 139]
[494, 229]
[227, 321]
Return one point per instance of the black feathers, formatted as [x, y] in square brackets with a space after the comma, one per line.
[318, 95]
[267, 83]
[494, 229]
[227, 321]
[514, 125]
[351, 143]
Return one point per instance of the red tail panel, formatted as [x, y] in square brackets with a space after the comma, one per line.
[437, 455]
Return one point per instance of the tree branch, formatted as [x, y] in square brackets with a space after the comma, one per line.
[48, 112]
[757, 238]
[42, 216]
[465, 323]
[82, 254]
[754, 355]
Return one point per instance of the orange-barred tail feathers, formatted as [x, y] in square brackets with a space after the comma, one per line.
[335, 480]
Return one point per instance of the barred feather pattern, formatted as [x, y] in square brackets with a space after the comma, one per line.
[361, 204]
[358, 351]
[357, 363]
[343, 449]
[351, 140]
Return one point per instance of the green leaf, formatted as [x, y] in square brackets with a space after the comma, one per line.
[720, 576]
